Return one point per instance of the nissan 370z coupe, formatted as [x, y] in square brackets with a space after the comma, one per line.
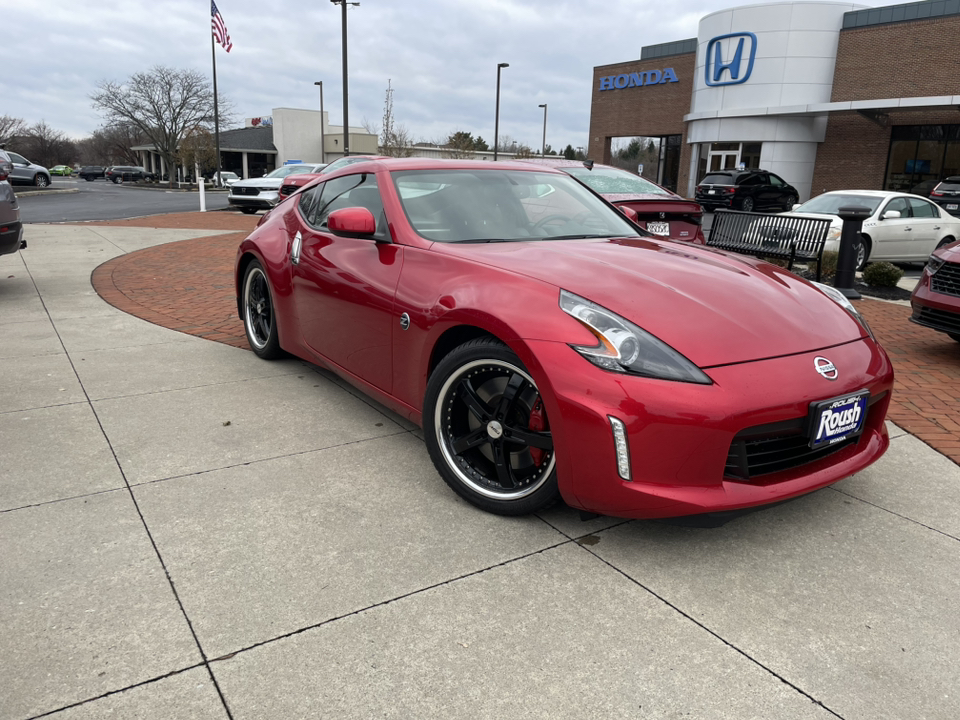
[551, 349]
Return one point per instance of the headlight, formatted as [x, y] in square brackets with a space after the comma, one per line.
[834, 234]
[934, 263]
[625, 348]
[840, 299]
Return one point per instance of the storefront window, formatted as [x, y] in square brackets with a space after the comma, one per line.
[920, 156]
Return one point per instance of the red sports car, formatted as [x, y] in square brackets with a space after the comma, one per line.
[659, 211]
[549, 348]
[936, 299]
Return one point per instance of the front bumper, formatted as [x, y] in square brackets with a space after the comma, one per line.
[264, 200]
[935, 310]
[681, 435]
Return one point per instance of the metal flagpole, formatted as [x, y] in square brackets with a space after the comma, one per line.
[216, 108]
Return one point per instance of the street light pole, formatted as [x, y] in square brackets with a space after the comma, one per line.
[323, 150]
[496, 122]
[346, 119]
[543, 145]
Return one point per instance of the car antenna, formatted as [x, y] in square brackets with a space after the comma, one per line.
[588, 164]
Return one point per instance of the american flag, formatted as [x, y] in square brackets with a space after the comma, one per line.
[220, 28]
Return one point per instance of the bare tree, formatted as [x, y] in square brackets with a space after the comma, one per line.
[11, 127]
[46, 146]
[164, 104]
[395, 139]
[111, 146]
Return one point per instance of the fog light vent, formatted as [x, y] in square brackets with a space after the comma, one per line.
[623, 450]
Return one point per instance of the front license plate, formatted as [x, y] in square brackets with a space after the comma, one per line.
[837, 419]
[951, 207]
[658, 228]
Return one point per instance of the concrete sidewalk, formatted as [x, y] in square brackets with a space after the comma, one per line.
[187, 531]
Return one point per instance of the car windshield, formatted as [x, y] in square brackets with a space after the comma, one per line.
[343, 162]
[504, 206]
[612, 181]
[283, 171]
[718, 179]
[830, 203]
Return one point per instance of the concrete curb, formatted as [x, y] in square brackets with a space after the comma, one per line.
[31, 193]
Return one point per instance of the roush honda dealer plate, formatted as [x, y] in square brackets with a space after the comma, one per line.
[837, 419]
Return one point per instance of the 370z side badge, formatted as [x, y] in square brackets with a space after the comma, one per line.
[404, 321]
[825, 368]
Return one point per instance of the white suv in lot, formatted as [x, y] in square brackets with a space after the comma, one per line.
[264, 192]
[11, 229]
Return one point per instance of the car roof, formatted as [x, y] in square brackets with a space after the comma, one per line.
[446, 164]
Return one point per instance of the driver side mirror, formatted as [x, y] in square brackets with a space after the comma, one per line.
[352, 222]
[890, 215]
[631, 214]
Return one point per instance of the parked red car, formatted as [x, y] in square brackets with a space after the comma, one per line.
[936, 299]
[549, 348]
[659, 211]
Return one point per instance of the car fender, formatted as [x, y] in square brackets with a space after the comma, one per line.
[273, 253]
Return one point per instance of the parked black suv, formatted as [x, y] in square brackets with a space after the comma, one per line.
[91, 172]
[121, 173]
[947, 194]
[745, 190]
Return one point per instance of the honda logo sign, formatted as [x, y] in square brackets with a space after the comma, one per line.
[729, 59]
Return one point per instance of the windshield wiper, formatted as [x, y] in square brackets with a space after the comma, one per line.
[489, 240]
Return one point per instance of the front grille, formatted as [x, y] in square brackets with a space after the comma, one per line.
[767, 449]
[937, 319]
[245, 191]
[947, 279]
[287, 190]
[751, 458]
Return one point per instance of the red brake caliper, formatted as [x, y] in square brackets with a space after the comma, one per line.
[537, 423]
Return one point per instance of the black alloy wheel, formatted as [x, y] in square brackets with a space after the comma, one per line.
[259, 318]
[746, 204]
[791, 201]
[487, 430]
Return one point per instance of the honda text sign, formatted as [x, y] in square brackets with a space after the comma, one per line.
[729, 59]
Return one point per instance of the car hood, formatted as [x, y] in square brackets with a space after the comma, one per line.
[261, 182]
[834, 219]
[716, 308]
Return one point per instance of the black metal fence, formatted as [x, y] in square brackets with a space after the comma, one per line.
[787, 237]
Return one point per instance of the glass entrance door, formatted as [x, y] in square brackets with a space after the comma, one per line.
[724, 160]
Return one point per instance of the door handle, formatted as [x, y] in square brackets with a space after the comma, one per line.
[936, 227]
[907, 229]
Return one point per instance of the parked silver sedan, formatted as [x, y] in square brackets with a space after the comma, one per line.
[901, 227]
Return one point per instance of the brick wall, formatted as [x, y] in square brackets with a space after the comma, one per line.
[906, 59]
[650, 110]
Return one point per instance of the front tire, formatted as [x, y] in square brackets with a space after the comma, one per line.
[487, 430]
[117, 180]
[863, 253]
[248, 210]
[41, 180]
[259, 316]
[791, 201]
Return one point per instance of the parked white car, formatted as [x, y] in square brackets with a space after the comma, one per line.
[901, 228]
[264, 192]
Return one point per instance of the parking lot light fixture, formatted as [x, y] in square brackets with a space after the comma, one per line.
[543, 145]
[346, 119]
[496, 122]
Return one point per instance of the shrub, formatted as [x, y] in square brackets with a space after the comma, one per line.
[828, 265]
[882, 274]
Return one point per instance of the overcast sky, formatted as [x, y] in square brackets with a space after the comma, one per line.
[440, 55]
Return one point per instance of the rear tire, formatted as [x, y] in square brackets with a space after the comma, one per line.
[746, 204]
[259, 314]
[487, 431]
[117, 180]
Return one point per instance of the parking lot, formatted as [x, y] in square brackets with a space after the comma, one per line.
[188, 531]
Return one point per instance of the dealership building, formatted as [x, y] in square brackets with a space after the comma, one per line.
[827, 95]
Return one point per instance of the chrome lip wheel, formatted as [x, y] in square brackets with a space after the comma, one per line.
[483, 422]
[257, 313]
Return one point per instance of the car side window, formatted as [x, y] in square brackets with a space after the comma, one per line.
[775, 181]
[922, 209]
[751, 180]
[18, 158]
[349, 191]
[900, 205]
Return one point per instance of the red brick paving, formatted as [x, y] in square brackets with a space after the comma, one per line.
[188, 286]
